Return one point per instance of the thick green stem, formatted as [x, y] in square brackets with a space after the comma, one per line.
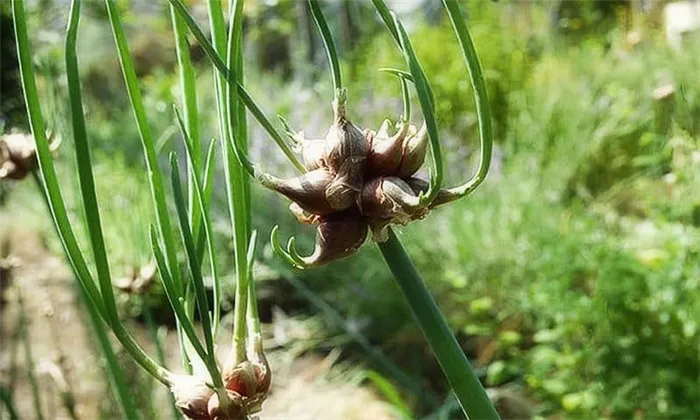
[460, 375]
[82, 154]
[425, 96]
[237, 177]
[207, 231]
[406, 100]
[252, 316]
[191, 251]
[189, 99]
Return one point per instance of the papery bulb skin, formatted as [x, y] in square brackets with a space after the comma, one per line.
[386, 151]
[263, 374]
[415, 147]
[342, 192]
[191, 396]
[312, 153]
[344, 139]
[338, 235]
[307, 190]
[241, 379]
[390, 198]
[233, 409]
[380, 229]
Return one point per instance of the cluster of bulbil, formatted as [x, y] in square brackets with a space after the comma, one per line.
[357, 182]
[247, 385]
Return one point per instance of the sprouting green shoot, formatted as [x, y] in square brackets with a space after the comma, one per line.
[204, 211]
[328, 42]
[190, 248]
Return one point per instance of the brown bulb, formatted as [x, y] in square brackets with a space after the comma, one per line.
[307, 190]
[191, 396]
[338, 235]
[415, 147]
[386, 151]
[390, 198]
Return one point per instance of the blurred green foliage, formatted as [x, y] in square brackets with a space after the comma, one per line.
[571, 275]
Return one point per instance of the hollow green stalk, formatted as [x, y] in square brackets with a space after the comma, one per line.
[155, 177]
[478, 85]
[328, 42]
[406, 101]
[207, 189]
[87, 188]
[189, 99]
[464, 382]
[177, 303]
[480, 95]
[208, 358]
[84, 160]
[460, 375]
[424, 97]
[48, 172]
[207, 230]
[236, 178]
[252, 316]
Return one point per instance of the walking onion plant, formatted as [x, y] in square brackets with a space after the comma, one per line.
[352, 182]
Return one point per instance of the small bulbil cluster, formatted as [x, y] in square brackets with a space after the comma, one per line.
[18, 155]
[247, 385]
[357, 182]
